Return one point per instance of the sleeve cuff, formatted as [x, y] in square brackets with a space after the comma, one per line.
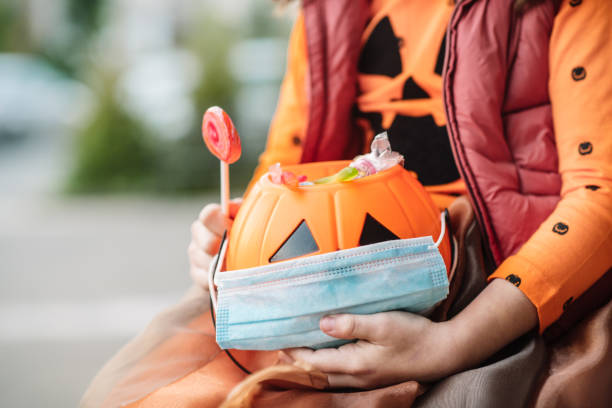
[535, 285]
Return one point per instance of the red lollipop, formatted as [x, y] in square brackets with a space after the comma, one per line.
[220, 135]
[222, 139]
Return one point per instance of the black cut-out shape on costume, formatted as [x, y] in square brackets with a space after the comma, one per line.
[575, 3]
[578, 73]
[513, 279]
[380, 54]
[300, 242]
[440, 59]
[425, 147]
[585, 148]
[373, 232]
[413, 91]
[560, 228]
[592, 187]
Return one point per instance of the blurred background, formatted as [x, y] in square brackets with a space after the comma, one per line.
[102, 167]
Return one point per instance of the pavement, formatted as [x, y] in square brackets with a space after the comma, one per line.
[79, 275]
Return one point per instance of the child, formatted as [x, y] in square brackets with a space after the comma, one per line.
[548, 227]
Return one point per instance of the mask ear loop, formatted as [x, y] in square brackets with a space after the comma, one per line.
[219, 259]
[212, 272]
[442, 230]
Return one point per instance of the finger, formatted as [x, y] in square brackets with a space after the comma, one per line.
[199, 276]
[348, 359]
[345, 326]
[197, 257]
[213, 219]
[205, 239]
[285, 358]
[347, 381]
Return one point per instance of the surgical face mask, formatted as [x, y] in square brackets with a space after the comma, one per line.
[279, 305]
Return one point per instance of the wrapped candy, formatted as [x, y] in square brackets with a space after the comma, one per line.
[280, 176]
[380, 158]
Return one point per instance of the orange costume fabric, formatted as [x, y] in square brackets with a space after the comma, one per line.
[558, 268]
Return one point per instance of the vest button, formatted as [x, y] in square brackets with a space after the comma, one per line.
[575, 3]
[578, 73]
[296, 140]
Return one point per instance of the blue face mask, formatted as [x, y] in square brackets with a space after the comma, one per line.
[279, 306]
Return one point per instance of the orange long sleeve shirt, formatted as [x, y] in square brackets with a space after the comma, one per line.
[573, 247]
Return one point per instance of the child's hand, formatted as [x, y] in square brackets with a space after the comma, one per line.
[398, 346]
[206, 234]
[393, 347]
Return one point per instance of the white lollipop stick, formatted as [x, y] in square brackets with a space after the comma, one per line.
[225, 191]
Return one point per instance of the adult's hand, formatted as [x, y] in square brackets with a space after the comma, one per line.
[206, 234]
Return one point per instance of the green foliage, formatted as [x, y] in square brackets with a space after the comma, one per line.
[13, 28]
[112, 152]
[85, 14]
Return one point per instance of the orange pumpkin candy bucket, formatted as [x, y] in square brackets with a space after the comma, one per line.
[299, 251]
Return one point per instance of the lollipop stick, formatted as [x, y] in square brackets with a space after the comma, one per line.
[225, 194]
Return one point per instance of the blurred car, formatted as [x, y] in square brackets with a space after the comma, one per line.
[35, 97]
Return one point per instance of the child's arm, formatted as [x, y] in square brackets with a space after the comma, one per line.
[400, 346]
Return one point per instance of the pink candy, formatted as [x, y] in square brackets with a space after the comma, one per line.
[220, 135]
[280, 176]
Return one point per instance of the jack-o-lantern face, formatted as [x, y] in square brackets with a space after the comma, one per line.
[400, 86]
[276, 222]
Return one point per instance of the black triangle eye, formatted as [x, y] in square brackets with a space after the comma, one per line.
[299, 243]
[380, 54]
[373, 232]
